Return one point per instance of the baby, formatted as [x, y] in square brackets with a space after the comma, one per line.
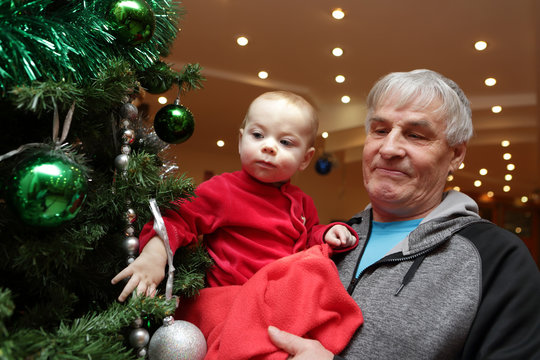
[252, 217]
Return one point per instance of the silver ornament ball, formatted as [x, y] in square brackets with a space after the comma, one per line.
[138, 338]
[129, 111]
[177, 340]
[131, 245]
[121, 162]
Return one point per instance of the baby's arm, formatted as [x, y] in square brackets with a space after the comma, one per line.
[146, 272]
[338, 236]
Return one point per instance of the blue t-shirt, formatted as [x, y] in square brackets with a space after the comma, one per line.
[384, 236]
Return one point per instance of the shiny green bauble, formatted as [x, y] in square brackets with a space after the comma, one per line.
[174, 124]
[47, 190]
[133, 20]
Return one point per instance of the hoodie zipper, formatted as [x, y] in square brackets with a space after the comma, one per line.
[389, 259]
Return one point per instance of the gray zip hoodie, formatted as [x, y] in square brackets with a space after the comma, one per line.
[426, 299]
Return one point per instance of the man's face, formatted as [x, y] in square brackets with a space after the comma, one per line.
[275, 141]
[406, 161]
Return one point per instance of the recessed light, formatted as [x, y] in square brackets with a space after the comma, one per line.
[450, 177]
[510, 167]
[508, 177]
[262, 74]
[242, 41]
[524, 199]
[480, 45]
[162, 100]
[490, 81]
[345, 99]
[507, 156]
[477, 183]
[483, 171]
[496, 109]
[505, 143]
[220, 143]
[490, 194]
[457, 188]
[324, 134]
[340, 79]
[462, 166]
[506, 188]
[338, 14]
[337, 51]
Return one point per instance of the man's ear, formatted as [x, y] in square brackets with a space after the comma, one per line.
[458, 155]
[307, 158]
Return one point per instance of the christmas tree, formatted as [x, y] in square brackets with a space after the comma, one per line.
[78, 167]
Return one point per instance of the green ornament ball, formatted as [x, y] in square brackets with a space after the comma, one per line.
[133, 20]
[174, 124]
[155, 81]
[47, 190]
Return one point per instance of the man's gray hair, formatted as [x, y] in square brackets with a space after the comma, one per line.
[421, 88]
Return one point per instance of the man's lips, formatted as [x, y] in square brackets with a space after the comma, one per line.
[390, 171]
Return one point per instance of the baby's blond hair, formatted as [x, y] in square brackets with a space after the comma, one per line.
[292, 99]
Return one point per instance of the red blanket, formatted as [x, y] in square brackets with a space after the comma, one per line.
[301, 294]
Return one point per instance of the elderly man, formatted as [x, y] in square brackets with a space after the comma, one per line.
[433, 280]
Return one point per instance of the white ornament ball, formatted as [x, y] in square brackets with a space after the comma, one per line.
[177, 340]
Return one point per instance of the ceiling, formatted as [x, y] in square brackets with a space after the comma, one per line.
[292, 40]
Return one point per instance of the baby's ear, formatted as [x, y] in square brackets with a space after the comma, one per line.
[307, 158]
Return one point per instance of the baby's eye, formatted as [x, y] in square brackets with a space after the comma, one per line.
[286, 142]
[257, 135]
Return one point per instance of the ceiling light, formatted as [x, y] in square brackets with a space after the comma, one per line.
[505, 143]
[340, 79]
[524, 199]
[490, 81]
[345, 99]
[262, 74]
[490, 194]
[510, 167]
[477, 183]
[220, 143]
[480, 45]
[457, 188]
[506, 188]
[337, 51]
[496, 109]
[518, 230]
[338, 14]
[508, 177]
[242, 41]
[450, 178]
[483, 171]
[162, 100]
[507, 156]
[324, 134]
[461, 166]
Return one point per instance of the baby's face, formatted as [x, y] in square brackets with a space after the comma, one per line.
[275, 142]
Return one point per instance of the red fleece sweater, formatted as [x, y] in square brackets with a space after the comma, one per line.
[246, 225]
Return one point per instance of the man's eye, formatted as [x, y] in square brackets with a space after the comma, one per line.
[416, 136]
[380, 131]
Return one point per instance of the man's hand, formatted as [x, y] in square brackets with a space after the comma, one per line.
[338, 236]
[298, 347]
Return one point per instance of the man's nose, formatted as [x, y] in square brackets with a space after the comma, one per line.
[392, 146]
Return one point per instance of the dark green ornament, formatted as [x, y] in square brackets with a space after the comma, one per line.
[47, 190]
[133, 20]
[174, 123]
[156, 79]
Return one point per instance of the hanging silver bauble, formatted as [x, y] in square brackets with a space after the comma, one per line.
[131, 245]
[177, 340]
[139, 337]
[121, 162]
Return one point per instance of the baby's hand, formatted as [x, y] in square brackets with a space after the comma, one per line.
[339, 236]
[146, 272]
